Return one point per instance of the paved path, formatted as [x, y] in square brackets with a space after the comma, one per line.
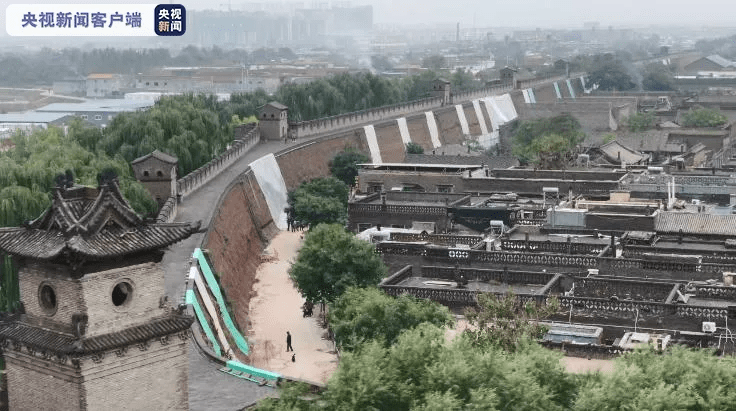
[210, 389]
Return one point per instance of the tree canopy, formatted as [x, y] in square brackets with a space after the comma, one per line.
[332, 260]
[640, 121]
[545, 141]
[27, 174]
[414, 148]
[344, 165]
[506, 321]
[703, 117]
[610, 74]
[657, 77]
[322, 200]
[422, 371]
[364, 314]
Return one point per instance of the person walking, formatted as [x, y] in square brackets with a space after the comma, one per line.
[288, 342]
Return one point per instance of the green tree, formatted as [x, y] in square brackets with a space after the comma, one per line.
[344, 165]
[332, 260]
[679, 379]
[363, 314]
[610, 74]
[507, 321]
[545, 141]
[423, 371]
[322, 200]
[640, 121]
[414, 148]
[657, 77]
[703, 117]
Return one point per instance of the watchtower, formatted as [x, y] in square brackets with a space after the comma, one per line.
[94, 330]
[508, 76]
[441, 89]
[157, 172]
[273, 121]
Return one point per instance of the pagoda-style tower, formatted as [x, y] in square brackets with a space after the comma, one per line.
[95, 331]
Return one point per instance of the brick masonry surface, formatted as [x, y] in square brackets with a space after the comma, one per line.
[153, 378]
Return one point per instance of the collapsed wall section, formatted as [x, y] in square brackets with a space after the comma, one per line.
[240, 229]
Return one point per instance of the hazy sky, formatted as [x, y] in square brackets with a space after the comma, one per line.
[516, 13]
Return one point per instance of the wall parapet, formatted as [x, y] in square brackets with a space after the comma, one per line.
[168, 211]
[465, 96]
[303, 129]
[237, 149]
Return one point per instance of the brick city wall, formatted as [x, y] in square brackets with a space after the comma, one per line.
[449, 125]
[311, 160]
[240, 229]
[473, 124]
[419, 131]
[41, 385]
[153, 379]
[389, 142]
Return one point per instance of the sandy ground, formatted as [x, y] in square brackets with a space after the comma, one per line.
[275, 309]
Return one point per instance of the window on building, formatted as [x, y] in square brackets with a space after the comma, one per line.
[155, 83]
[122, 293]
[375, 187]
[444, 188]
[98, 117]
[159, 173]
[148, 83]
[47, 298]
[363, 226]
[145, 173]
[83, 116]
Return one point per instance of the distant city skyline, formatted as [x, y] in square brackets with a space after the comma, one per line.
[570, 14]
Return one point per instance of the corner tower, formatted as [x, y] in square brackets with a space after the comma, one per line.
[95, 330]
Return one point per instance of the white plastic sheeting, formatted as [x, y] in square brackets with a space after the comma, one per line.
[268, 175]
[481, 119]
[569, 87]
[370, 135]
[433, 130]
[532, 96]
[525, 93]
[404, 130]
[557, 90]
[506, 106]
[463, 121]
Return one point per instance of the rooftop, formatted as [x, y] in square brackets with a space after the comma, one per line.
[43, 340]
[85, 223]
[167, 158]
[111, 105]
[33, 117]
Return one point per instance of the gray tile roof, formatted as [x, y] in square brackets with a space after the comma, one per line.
[43, 340]
[167, 158]
[33, 117]
[92, 224]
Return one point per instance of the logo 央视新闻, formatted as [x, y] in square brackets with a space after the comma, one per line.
[169, 20]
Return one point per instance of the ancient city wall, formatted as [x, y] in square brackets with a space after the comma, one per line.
[240, 229]
[311, 159]
[331, 124]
